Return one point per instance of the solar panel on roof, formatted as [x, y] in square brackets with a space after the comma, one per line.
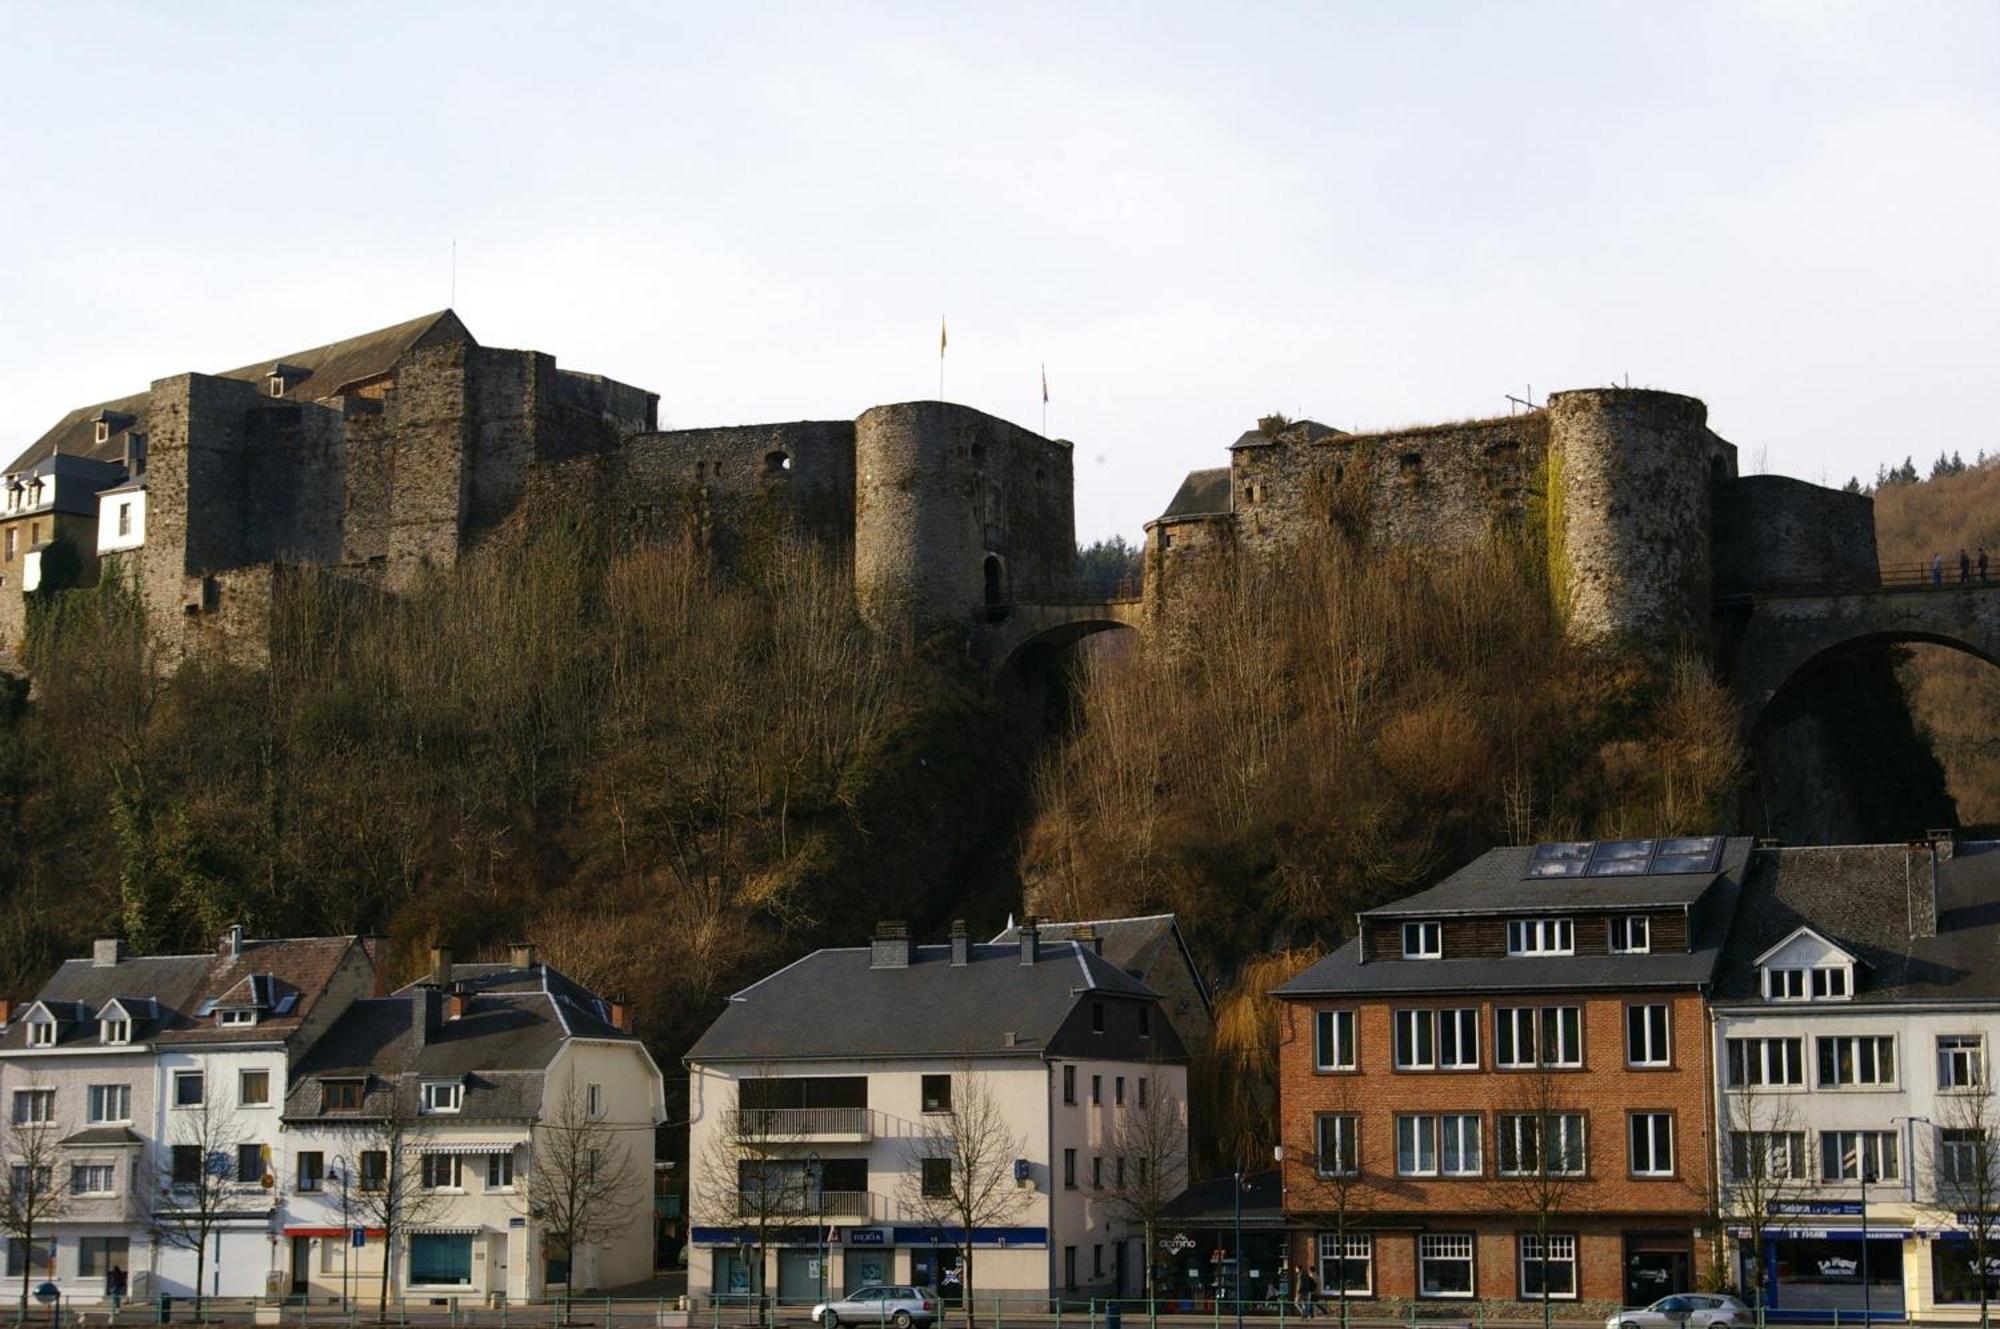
[1626, 858]
[1562, 858]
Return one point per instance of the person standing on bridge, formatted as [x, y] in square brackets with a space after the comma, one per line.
[1937, 569]
[1964, 568]
[1982, 565]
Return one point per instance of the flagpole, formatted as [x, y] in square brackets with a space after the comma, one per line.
[942, 342]
[1045, 399]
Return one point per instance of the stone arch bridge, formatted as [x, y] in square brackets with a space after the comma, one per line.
[1008, 633]
[1772, 638]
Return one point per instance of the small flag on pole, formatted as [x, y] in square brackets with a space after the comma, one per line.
[1045, 385]
[943, 340]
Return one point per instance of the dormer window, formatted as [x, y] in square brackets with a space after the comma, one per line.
[1423, 941]
[42, 1034]
[115, 1030]
[1785, 984]
[1805, 966]
[340, 1096]
[237, 1016]
[103, 431]
[1829, 983]
[1631, 935]
[1540, 936]
[443, 1095]
[277, 382]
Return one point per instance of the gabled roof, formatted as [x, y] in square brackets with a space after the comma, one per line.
[1203, 494]
[1870, 899]
[326, 372]
[1497, 882]
[1129, 943]
[833, 1004]
[83, 988]
[260, 974]
[1805, 930]
[582, 1012]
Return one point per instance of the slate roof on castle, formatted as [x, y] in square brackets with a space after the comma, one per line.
[326, 371]
[515, 1021]
[835, 1005]
[1858, 897]
[1497, 882]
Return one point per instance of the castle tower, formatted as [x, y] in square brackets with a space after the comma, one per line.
[956, 514]
[1630, 475]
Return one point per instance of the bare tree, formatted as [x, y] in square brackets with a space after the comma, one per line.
[580, 1181]
[394, 1186]
[1540, 1164]
[959, 1169]
[197, 1182]
[34, 1192]
[1149, 1147]
[751, 1173]
[1965, 1171]
[1764, 1168]
[1335, 1185]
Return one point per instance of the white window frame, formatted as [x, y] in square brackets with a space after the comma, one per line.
[1347, 1145]
[1525, 1128]
[1961, 1062]
[1421, 1023]
[1787, 984]
[276, 385]
[502, 1162]
[34, 1106]
[100, 1098]
[440, 1097]
[1830, 983]
[1878, 1147]
[236, 1017]
[1959, 1159]
[175, 1088]
[1565, 1022]
[1448, 1247]
[1658, 1129]
[1333, 1040]
[1434, 1137]
[1360, 1249]
[1762, 1055]
[1561, 1250]
[593, 1101]
[1788, 1147]
[1630, 934]
[114, 1032]
[1541, 936]
[1654, 1042]
[1428, 939]
[104, 1171]
[431, 1166]
[1873, 1045]
[41, 1033]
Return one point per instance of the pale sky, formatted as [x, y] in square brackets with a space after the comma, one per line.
[1369, 214]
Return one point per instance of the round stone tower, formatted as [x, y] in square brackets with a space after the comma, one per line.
[957, 515]
[1630, 475]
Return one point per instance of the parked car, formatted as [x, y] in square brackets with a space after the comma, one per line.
[1685, 1310]
[880, 1303]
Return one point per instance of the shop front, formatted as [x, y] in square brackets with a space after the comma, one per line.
[1223, 1239]
[1809, 1272]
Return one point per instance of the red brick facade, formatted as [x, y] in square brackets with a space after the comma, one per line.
[1613, 1215]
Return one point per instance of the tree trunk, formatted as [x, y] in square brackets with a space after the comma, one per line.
[1152, 1301]
[200, 1275]
[970, 1321]
[382, 1286]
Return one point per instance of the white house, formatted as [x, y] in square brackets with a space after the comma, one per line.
[838, 1072]
[420, 1121]
[1854, 1016]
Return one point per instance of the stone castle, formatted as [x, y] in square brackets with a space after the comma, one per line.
[400, 450]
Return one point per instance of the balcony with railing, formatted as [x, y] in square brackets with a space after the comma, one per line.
[820, 1206]
[804, 1125]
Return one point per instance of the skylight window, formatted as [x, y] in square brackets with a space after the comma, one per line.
[1626, 858]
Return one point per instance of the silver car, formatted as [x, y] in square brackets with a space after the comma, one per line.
[1686, 1310]
[880, 1303]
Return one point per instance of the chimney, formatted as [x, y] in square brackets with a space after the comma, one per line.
[426, 1014]
[232, 940]
[1031, 942]
[522, 955]
[621, 1015]
[1087, 935]
[1920, 886]
[890, 948]
[454, 1005]
[961, 944]
[106, 951]
[6, 1012]
[440, 976]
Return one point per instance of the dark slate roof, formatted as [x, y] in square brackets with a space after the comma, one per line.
[1858, 897]
[1497, 882]
[102, 1135]
[1202, 494]
[833, 1004]
[1213, 1200]
[1297, 431]
[327, 370]
[500, 1046]
[1126, 942]
[80, 989]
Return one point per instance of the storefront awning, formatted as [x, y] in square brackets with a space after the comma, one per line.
[447, 1231]
[494, 1147]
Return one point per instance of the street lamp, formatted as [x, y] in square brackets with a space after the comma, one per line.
[816, 1170]
[1236, 1280]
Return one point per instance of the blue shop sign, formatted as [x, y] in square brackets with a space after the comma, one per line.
[867, 1236]
[981, 1236]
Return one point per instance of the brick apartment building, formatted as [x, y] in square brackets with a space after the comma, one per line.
[1502, 1083]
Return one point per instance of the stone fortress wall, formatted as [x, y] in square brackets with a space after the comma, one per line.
[1640, 505]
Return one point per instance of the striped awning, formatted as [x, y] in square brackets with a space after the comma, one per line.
[496, 1147]
[448, 1231]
